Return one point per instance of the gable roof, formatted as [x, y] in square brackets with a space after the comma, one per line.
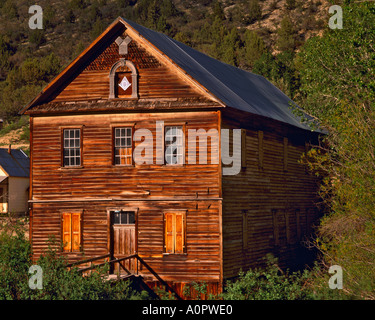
[231, 86]
[235, 87]
[16, 163]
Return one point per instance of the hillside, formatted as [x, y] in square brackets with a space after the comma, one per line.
[241, 33]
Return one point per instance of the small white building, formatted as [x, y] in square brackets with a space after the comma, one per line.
[14, 181]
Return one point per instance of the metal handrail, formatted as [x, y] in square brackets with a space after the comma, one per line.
[87, 260]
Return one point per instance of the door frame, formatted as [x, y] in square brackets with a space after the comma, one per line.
[110, 231]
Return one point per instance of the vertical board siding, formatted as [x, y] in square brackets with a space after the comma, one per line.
[275, 191]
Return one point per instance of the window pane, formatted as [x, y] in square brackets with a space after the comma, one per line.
[116, 217]
[71, 151]
[123, 146]
[174, 145]
[123, 217]
[131, 218]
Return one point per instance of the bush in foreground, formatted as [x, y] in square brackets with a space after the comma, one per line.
[59, 283]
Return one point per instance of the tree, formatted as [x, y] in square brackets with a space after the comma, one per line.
[286, 40]
[218, 10]
[255, 11]
[6, 51]
[338, 88]
[229, 47]
[70, 17]
[291, 4]
[254, 47]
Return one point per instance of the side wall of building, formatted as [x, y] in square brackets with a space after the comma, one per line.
[18, 192]
[270, 205]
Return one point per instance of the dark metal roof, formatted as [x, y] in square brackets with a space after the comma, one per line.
[235, 87]
[16, 163]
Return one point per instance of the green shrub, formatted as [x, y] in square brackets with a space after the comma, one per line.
[269, 283]
[15, 252]
[59, 283]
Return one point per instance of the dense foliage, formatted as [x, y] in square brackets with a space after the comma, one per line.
[337, 73]
[59, 283]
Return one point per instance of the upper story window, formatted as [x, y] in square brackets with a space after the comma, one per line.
[72, 147]
[123, 146]
[174, 145]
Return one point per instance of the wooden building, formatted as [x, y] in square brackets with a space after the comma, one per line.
[187, 219]
[14, 182]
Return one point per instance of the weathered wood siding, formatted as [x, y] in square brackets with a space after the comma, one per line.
[99, 177]
[156, 79]
[269, 204]
[99, 186]
[18, 194]
[201, 261]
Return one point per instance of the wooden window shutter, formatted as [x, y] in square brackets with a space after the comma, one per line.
[245, 240]
[275, 227]
[260, 149]
[298, 224]
[243, 148]
[71, 231]
[285, 151]
[287, 227]
[76, 231]
[179, 233]
[66, 232]
[174, 232]
[169, 238]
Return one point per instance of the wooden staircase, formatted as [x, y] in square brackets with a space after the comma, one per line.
[122, 272]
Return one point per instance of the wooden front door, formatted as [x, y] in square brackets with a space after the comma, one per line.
[123, 238]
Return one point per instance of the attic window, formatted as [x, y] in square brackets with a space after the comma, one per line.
[123, 80]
